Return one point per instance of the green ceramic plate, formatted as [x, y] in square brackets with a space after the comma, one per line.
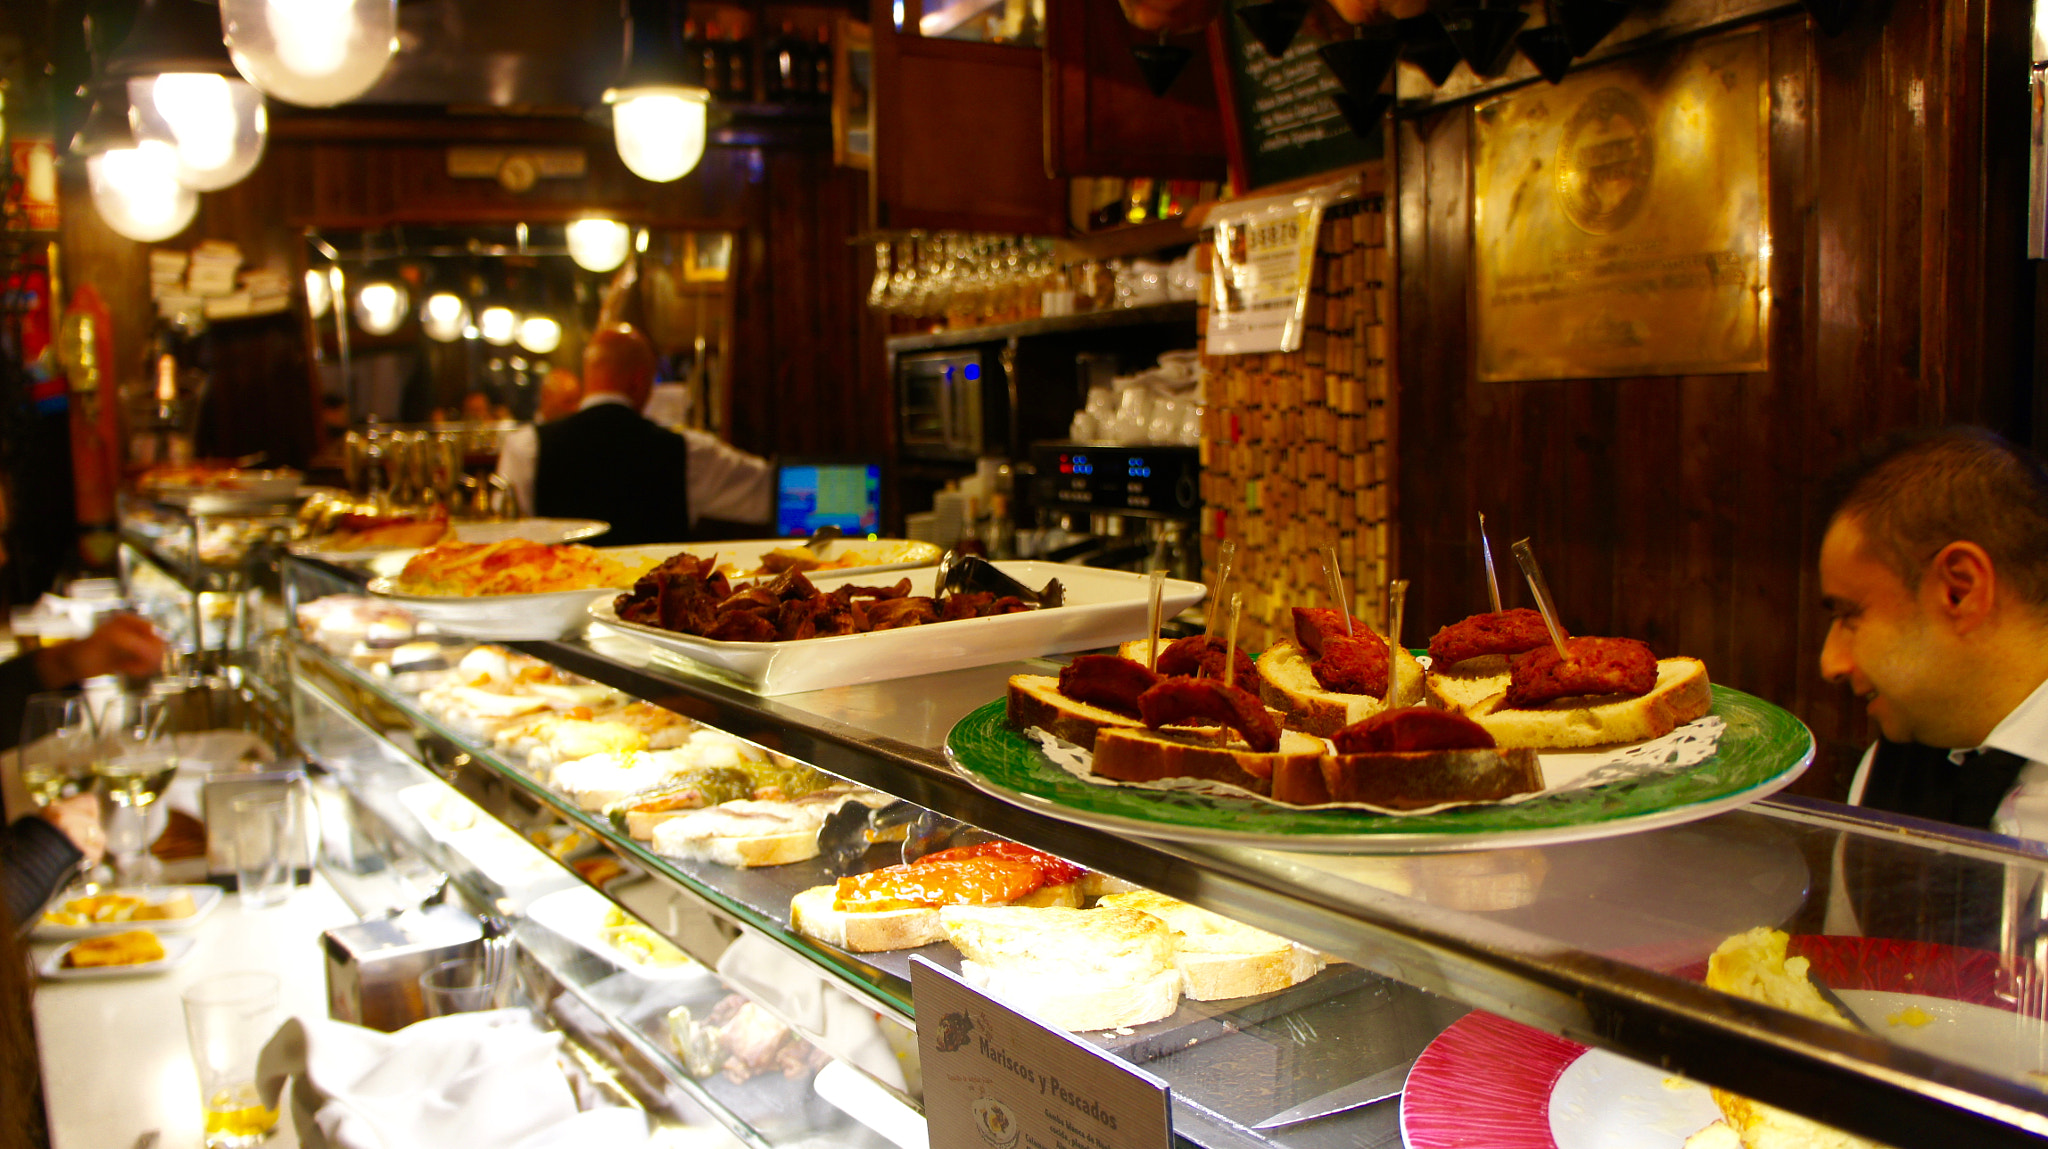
[1763, 749]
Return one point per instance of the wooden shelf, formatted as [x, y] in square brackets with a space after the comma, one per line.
[1183, 312]
[1130, 239]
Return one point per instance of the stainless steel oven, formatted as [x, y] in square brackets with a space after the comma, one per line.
[953, 404]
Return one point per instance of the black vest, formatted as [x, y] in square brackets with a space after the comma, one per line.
[1908, 778]
[606, 462]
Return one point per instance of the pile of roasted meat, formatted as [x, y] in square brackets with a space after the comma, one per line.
[686, 594]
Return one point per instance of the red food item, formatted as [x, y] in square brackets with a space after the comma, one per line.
[1412, 728]
[1057, 871]
[1352, 665]
[983, 881]
[1107, 681]
[1312, 624]
[1499, 632]
[1596, 666]
[1205, 701]
[1201, 656]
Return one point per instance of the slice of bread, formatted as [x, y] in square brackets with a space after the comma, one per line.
[1219, 958]
[1682, 694]
[1035, 700]
[1148, 755]
[1072, 969]
[1287, 683]
[747, 832]
[1414, 779]
[813, 914]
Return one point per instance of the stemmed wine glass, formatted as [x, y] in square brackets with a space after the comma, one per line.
[137, 757]
[54, 755]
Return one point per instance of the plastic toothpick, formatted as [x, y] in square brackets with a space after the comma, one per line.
[1334, 575]
[1486, 551]
[1541, 590]
[1158, 580]
[1226, 564]
[1230, 643]
[1397, 601]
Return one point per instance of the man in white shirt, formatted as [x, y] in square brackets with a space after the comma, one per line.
[1935, 570]
[633, 474]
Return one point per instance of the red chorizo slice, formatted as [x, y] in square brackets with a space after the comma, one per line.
[1107, 681]
[1312, 624]
[1410, 728]
[1201, 656]
[1596, 666]
[1203, 701]
[1352, 665]
[1498, 632]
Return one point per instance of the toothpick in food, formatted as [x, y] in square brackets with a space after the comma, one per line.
[1230, 643]
[1158, 581]
[1486, 551]
[1335, 580]
[1541, 589]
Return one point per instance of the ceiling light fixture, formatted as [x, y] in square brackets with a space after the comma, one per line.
[539, 334]
[444, 316]
[319, 293]
[381, 305]
[183, 90]
[659, 111]
[599, 245]
[498, 325]
[315, 53]
[134, 188]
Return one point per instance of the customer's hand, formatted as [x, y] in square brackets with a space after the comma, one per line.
[122, 644]
[78, 817]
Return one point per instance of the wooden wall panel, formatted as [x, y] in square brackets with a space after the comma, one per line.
[1680, 510]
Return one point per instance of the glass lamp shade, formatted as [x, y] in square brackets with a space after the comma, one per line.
[381, 306]
[215, 124]
[539, 334]
[659, 131]
[316, 53]
[498, 325]
[319, 293]
[444, 316]
[137, 192]
[599, 244]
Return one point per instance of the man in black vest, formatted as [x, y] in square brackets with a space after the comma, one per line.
[1935, 569]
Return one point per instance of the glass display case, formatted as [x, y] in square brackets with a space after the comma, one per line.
[195, 567]
[1596, 937]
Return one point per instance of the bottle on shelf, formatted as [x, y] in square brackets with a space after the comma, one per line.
[711, 59]
[788, 78]
[693, 53]
[821, 65]
[739, 65]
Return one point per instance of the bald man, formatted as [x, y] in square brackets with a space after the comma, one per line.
[560, 394]
[607, 462]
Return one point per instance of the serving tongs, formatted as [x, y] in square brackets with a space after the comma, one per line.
[849, 831]
[962, 574]
[822, 539]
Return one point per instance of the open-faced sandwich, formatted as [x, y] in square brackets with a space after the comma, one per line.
[1503, 671]
[1331, 676]
[897, 907]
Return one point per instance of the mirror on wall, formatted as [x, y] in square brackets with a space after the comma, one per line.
[466, 322]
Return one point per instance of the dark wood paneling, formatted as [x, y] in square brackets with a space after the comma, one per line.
[1679, 510]
[1101, 118]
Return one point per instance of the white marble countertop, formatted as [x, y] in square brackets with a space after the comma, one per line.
[115, 1061]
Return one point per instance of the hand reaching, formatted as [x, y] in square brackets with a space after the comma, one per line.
[78, 817]
[121, 644]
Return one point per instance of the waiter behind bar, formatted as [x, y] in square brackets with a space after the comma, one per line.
[1935, 569]
[608, 462]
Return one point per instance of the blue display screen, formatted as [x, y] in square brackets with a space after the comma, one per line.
[813, 495]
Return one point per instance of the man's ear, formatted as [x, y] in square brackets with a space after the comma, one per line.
[1965, 585]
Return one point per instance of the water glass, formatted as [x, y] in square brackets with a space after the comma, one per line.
[265, 832]
[464, 985]
[54, 755]
[228, 1019]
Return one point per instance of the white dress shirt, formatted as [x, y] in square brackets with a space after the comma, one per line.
[2024, 812]
[725, 482]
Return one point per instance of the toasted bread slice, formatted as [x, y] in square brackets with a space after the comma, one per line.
[747, 833]
[1143, 755]
[813, 914]
[1035, 700]
[1288, 684]
[1073, 969]
[1682, 694]
[1412, 780]
[1219, 958]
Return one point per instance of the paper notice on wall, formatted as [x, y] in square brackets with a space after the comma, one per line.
[1265, 251]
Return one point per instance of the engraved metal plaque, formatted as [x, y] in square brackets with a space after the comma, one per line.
[1619, 222]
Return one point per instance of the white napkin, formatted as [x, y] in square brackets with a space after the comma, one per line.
[485, 1080]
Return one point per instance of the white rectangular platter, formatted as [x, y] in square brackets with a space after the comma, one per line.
[204, 899]
[1103, 608]
[177, 947]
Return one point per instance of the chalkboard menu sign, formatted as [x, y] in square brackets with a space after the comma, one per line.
[1279, 116]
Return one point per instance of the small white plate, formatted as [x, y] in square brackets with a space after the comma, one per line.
[381, 558]
[177, 948]
[204, 899]
[578, 914]
[1103, 608]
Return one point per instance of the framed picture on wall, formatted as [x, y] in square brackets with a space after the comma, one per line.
[853, 142]
[707, 256]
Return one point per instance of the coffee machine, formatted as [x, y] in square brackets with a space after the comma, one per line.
[1125, 506]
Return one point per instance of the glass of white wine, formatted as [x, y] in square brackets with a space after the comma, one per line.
[136, 759]
[54, 754]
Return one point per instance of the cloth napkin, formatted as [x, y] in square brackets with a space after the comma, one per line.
[484, 1080]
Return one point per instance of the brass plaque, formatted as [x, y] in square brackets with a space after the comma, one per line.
[1619, 220]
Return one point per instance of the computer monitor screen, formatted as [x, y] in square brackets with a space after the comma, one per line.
[810, 494]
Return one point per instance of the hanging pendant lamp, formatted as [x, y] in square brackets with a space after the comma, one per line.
[659, 110]
[183, 91]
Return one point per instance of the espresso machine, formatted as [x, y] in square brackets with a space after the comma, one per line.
[1123, 506]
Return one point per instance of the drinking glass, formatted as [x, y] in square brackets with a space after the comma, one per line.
[265, 827]
[464, 985]
[135, 759]
[228, 1018]
[54, 755]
